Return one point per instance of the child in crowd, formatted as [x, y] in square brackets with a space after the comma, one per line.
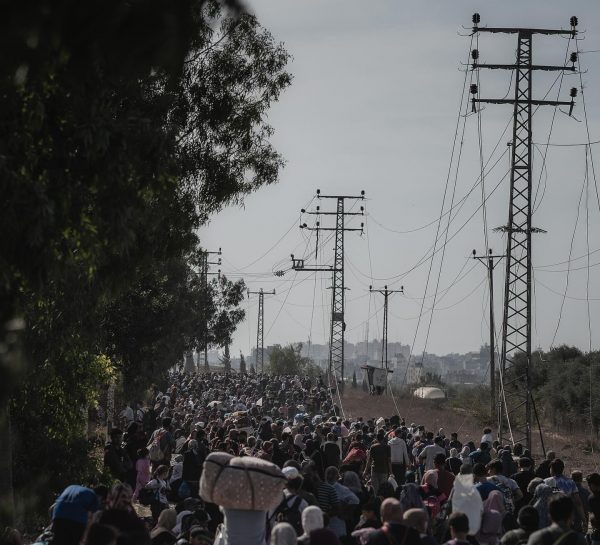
[142, 467]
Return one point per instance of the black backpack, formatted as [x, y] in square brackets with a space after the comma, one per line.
[290, 514]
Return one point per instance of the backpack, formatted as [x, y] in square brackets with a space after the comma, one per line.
[509, 504]
[154, 450]
[433, 504]
[147, 496]
[290, 514]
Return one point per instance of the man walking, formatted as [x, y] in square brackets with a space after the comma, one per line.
[399, 456]
[379, 462]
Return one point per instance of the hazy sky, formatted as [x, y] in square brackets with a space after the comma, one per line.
[374, 106]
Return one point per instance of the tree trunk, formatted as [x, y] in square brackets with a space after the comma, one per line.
[7, 498]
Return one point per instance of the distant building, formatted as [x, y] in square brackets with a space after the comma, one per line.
[414, 373]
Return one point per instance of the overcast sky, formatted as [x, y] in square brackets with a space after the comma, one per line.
[374, 105]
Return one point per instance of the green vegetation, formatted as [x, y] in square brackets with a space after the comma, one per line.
[123, 133]
[431, 379]
[564, 382]
[288, 360]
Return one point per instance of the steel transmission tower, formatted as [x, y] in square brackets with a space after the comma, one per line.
[260, 342]
[205, 272]
[516, 326]
[338, 325]
[384, 342]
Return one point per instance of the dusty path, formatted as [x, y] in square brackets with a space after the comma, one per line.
[435, 415]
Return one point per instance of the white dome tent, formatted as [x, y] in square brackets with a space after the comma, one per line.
[429, 392]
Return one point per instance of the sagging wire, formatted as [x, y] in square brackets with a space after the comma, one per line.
[463, 100]
[562, 304]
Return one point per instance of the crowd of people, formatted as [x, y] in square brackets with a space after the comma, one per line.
[319, 478]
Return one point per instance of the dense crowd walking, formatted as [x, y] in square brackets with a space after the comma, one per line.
[257, 459]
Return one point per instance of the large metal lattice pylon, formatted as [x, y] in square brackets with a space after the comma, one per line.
[338, 325]
[260, 341]
[516, 327]
[205, 272]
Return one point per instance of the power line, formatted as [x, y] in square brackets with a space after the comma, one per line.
[567, 261]
[460, 202]
[455, 304]
[573, 298]
[274, 245]
[569, 145]
[587, 124]
[561, 75]
[562, 304]
[463, 100]
[571, 269]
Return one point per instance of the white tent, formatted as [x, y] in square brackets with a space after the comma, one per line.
[428, 392]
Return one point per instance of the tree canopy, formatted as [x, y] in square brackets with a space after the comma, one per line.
[288, 360]
[123, 132]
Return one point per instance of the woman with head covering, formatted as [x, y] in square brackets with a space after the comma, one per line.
[121, 515]
[533, 484]
[464, 455]
[299, 442]
[491, 519]
[179, 521]
[453, 462]
[494, 502]
[283, 534]
[410, 497]
[312, 519]
[120, 497]
[162, 533]
[541, 497]
[352, 481]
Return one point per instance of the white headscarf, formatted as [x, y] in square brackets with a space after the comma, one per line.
[283, 533]
[312, 519]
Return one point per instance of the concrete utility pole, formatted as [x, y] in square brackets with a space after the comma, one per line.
[384, 342]
[205, 266]
[516, 326]
[260, 343]
[338, 325]
[488, 261]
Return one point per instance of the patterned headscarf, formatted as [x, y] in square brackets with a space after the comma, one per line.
[352, 481]
[541, 497]
[120, 497]
[410, 497]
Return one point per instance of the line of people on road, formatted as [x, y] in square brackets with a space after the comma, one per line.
[288, 468]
